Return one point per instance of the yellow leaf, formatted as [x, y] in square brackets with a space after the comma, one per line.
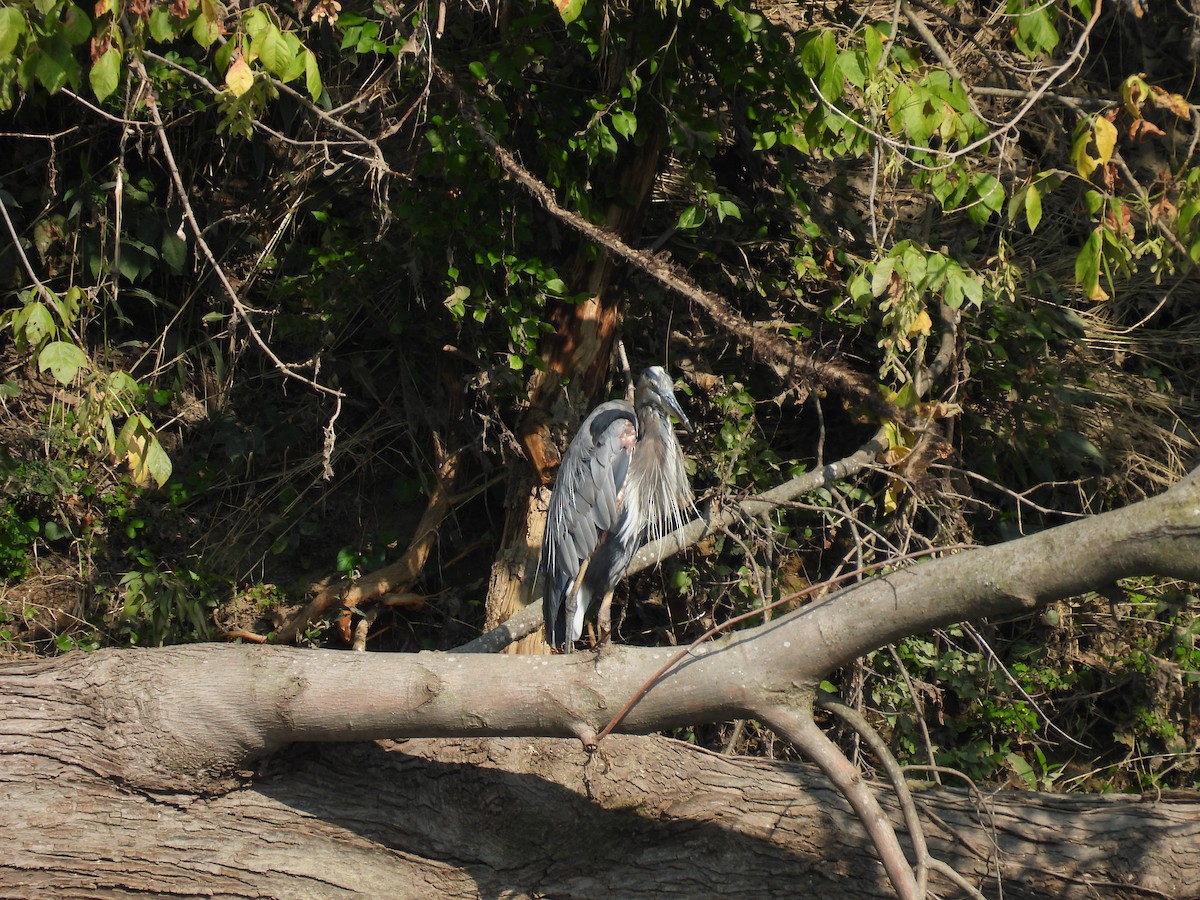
[923, 325]
[1097, 294]
[239, 78]
[1134, 92]
[1103, 135]
[891, 497]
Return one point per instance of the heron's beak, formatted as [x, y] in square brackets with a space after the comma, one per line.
[677, 412]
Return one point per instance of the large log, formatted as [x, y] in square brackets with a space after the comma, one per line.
[521, 817]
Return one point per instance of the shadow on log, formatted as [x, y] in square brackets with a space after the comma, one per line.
[513, 817]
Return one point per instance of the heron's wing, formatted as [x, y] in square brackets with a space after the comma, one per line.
[585, 505]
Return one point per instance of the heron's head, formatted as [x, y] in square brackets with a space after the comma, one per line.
[656, 389]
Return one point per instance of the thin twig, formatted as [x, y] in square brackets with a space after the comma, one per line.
[46, 293]
[286, 369]
[949, 156]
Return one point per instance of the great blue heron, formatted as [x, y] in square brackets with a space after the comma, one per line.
[621, 481]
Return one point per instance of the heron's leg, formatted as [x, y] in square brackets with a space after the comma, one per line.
[603, 619]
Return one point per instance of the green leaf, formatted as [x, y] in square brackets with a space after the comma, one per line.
[850, 64]
[52, 531]
[1033, 207]
[50, 72]
[873, 39]
[256, 22]
[625, 123]
[1023, 770]
[1087, 267]
[272, 50]
[138, 444]
[479, 70]
[690, 218]
[174, 251]
[1074, 443]
[312, 75]
[33, 324]
[162, 28]
[63, 359]
[818, 54]
[298, 64]
[105, 74]
[882, 276]
[569, 9]
[989, 199]
[972, 289]
[204, 32]
[347, 559]
[77, 27]
[12, 26]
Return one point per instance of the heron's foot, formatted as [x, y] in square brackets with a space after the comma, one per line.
[604, 621]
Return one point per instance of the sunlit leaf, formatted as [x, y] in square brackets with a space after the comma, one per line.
[105, 74]
[239, 78]
[1134, 91]
[1173, 102]
[273, 52]
[1033, 207]
[12, 26]
[569, 9]
[625, 123]
[690, 218]
[312, 75]
[138, 444]
[1087, 268]
[1100, 134]
[63, 360]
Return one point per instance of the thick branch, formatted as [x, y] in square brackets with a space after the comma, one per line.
[214, 710]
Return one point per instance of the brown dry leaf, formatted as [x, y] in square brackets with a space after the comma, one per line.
[326, 9]
[1164, 209]
[1143, 128]
[1173, 102]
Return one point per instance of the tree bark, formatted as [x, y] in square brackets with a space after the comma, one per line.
[170, 724]
[519, 817]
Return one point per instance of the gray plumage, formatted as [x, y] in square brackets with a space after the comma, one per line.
[621, 482]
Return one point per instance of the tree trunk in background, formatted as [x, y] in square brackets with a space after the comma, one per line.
[512, 817]
[579, 351]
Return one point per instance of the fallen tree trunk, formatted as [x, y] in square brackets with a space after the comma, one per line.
[517, 817]
[173, 724]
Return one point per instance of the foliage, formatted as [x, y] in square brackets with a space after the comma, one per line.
[841, 180]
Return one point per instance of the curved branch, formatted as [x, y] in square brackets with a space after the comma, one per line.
[895, 776]
[799, 728]
[772, 347]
